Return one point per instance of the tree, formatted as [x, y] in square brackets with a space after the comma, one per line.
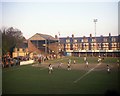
[0, 43]
[11, 37]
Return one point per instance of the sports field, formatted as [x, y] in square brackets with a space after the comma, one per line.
[34, 78]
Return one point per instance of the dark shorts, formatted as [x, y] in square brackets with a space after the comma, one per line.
[68, 66]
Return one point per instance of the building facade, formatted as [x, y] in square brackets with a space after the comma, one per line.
[70, 46]
[90, 46]
[38, 44]
[21, 50]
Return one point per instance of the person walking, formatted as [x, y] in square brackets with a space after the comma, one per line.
[74, 62]
[108, 69]
[50, 69]
[85, 59]
[99, 59]
[86, 64]
[118, 64]
[69, 61]
[59, 66]
[69, 66]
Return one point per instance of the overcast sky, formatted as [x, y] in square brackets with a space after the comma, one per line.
[65, 17]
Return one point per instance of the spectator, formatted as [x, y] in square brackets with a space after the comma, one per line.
[39, 60]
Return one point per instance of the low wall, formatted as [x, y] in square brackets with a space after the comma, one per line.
[26, 62]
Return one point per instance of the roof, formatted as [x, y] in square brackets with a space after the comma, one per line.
[22, 45]
[79, 39]
[39, 36]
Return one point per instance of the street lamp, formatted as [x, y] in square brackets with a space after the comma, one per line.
[45, 46]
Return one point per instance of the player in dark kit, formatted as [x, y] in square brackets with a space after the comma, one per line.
[69, 66]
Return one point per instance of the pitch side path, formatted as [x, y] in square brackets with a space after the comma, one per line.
[34, 78]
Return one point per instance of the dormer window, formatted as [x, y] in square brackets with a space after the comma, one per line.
[113, 39]
[67, 40]
[105, 40]
[75, 40]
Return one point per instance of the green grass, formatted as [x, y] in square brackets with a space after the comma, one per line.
[80, 60]
[32, 80]
[110, 60]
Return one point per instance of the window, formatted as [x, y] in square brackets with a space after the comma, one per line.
[17, 49]
[81, 40]
[93, 40]
[113, 39]
[76, 45]
[99, 44]
[75, 40]
[114, 44]
[67, 40]
[106, 45]
[86, 40]
[23, 49]
[105, 40]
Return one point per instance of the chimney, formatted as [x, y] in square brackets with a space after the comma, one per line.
[83, 37]
[109, 34]
[67, 37]
[72, 35]
[90, 35]
[56, 37]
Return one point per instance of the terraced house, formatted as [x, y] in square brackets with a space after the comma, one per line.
[90, 46]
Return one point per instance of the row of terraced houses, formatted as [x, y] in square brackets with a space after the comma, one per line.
[71, 46]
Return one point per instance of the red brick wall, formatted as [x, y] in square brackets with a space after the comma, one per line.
[32, 48]
[53, 47]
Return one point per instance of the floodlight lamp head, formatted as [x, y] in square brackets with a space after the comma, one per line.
[95, 20]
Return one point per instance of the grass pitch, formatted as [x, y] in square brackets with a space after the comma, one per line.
[29, 79]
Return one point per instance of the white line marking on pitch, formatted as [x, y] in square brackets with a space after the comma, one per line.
[86, 73]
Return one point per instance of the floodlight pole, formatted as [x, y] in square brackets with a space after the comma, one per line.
[95, 20]
[58, 42]
[86, 52]
[49, 46]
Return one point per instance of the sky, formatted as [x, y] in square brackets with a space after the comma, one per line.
[66, 18]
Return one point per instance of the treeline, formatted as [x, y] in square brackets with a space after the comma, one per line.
[11, 38]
